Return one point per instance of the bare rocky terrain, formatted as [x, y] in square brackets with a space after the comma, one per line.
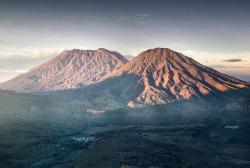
[161, 75]
[70, 69]
[156, 76]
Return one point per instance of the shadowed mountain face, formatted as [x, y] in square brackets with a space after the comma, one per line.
[70, 69]
[160, 75]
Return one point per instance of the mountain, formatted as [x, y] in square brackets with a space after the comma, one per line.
[161, 75]
[156, 76]
[70, 69]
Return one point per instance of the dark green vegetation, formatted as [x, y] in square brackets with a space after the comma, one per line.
[55, 130]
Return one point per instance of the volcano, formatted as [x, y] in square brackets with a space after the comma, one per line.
[156, 76]
[161, 75]
[70, 69]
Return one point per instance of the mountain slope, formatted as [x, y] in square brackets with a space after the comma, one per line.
[70, 69]
[160, 75]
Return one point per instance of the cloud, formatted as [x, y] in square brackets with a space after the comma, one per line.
[21, 70]
[4, 54]
[229, 67]
[219, 58]
[233, 60]
[30, 54]
[14, 62]
[143, 14]
[218, 66]
[142, 17]
[9, 74]
[18, 71]
[3, 71]
[241, 72]
[46, 52]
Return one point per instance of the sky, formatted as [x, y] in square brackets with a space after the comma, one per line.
[214, 32]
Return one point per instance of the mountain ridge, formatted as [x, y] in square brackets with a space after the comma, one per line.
[165, 76]
[70, 69]
[155, 76]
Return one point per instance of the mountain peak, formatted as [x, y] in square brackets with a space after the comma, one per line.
[160, 54]
[150, 59]
[155, 76]
[162, 75]
[157, 50]
[70, 69]
[102, 49]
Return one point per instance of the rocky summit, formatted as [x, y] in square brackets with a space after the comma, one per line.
[70, 69]
[156, 76]
[161, 75]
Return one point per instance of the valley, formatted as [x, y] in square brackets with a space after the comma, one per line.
[174, 135]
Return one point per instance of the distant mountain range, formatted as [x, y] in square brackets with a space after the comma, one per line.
[156, 76]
